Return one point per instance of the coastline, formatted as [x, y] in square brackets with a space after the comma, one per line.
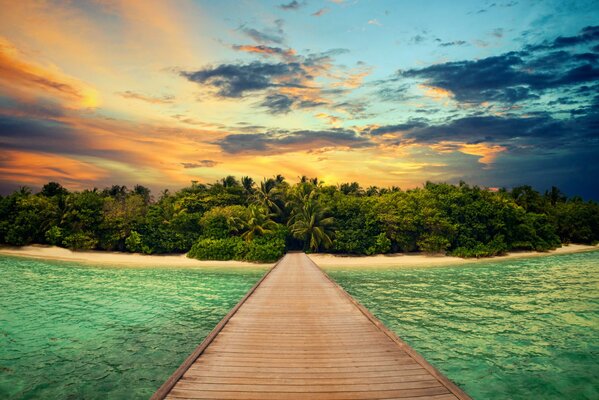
[98, 257]
[323, 260]
[401, 260]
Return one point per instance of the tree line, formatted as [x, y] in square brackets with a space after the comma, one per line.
[245, 220]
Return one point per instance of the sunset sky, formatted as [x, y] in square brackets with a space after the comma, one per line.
[496, 93]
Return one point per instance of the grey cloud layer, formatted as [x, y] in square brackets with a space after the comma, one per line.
[283, 142]
[516, 76]
[234, 80]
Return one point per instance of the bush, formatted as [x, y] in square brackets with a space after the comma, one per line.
[433, 244]
[134, 243]
[268, 248]
[381, 245]
[496, 247]
[80, 241]
[217, 249]
[54, 235]
[264, 250]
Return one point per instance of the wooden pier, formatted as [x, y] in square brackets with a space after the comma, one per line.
[297, 335]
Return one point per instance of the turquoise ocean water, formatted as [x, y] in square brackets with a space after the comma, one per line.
[514, 329]
[70, 331]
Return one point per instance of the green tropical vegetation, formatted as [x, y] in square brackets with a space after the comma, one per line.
[235, 219]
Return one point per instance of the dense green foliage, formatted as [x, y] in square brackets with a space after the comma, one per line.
[242, 220]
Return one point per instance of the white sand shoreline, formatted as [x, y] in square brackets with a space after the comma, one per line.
[422, 260]
[323, 260]
[118, 258]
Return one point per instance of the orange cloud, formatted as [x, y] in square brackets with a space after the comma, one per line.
[331, 119]
[487, 152]
[266, 50]
[39, 168]
[353, 80]
[307, 94]
[435, 93]
[27, 80]
[148, 99]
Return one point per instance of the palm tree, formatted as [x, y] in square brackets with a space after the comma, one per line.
[555, 196]
[310, 224]
[256, 222]
[268, 196]
[248, 184]
[279, 179]
[24, 191]
[229, 181]
[352, 188]
[301, 193]
[116, 191]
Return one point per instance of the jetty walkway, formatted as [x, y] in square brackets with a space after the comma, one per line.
[297, 335]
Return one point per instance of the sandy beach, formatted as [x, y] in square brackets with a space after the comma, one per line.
[117, 258]
[422, 260]
[323, 260]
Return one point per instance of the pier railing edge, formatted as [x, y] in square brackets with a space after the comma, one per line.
[452, 387]
[168, 385]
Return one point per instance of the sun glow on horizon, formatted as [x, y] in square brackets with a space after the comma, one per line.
[164, 93]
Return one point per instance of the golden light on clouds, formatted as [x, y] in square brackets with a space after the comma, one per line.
[487, 152]
[29, 81]
[435, 93]
[162, 93]
[38, 168]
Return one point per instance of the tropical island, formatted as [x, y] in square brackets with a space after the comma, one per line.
[239, 219]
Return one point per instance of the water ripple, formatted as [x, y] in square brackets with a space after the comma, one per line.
[515, 329]
[69, 331]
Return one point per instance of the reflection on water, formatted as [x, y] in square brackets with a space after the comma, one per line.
[71, 332]
[515, 329]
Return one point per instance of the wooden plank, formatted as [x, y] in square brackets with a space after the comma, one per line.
[298, 335]
[172, 380]
[308, 368]
[453, 388]
[190, 384]
[371, 394]
[294, 380]
[309, 374]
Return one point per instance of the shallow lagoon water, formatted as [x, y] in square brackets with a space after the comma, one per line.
[71, 331]
[514, 329]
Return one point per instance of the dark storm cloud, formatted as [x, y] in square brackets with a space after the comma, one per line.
[533, 131]
[321, 12]
[41, 109]
[16, 128]
[262, 37]
[407, 126]
[293, 5]
[234, 80]
[498, 33]
[510, 77]
[271, 35]
[589, 34]
[284, 142]
[454, 43]
[267, 79]
[476, 129]
[277, 103]
[48, 136]
[516, 76]
[417, 39]
[200, 164]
